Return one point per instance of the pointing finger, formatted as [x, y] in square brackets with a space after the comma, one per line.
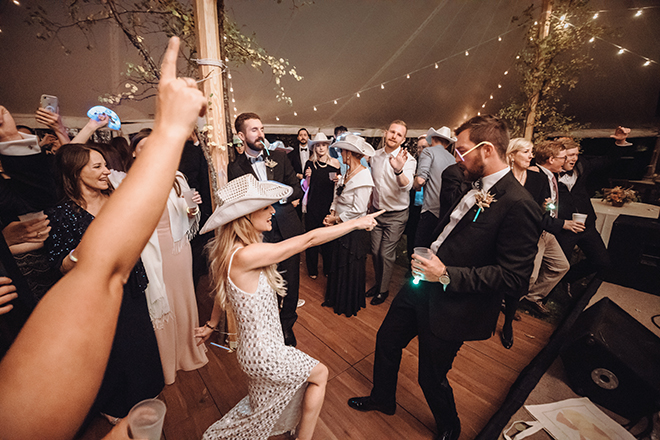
[168, 68]
[376, 214]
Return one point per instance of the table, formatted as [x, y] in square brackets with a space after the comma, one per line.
[606, 214]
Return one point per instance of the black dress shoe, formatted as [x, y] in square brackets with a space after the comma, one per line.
[290, 339]
[367, 404]
[372, 292]
[380, 298]
[451, 433]
[506, 342]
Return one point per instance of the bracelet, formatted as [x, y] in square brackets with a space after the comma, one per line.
[399, 173]
[207, 325]
[73, 257]
[192, 211]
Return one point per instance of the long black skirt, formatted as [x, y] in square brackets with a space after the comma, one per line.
[347, 276]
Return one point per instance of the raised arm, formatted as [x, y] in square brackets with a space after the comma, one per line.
[259, 255]
[54, 369]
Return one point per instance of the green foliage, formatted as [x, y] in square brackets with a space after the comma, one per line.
[141, 21]
[550, 66]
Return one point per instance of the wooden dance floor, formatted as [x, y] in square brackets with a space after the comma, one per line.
[481, 376]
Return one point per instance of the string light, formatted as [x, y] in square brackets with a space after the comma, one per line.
[491, 96]
[499, 86]
[314, 108]
[436, 65]
[638, 13]
[622, 50]
[381, 86]
[467, 53]
[277, 118]
[647, 63]
[595, 15]
[408, 76]
[499, 38]
[17, 3]
[233, 100]
[295, 113]
[335, 102]
[506, 73]
[358, 94]
[592, 39]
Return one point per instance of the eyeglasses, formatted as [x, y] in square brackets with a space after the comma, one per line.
[564, 158]
[462, 156]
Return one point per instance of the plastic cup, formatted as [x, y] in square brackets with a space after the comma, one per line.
[188, 195]
[580, 218]
[30, 216]
[145, 419]
[423, 252]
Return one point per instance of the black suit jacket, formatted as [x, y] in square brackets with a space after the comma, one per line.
[294, 158]
[484, 258]
[453, 181]
[578, 199]
[286, 223]
[539, 187]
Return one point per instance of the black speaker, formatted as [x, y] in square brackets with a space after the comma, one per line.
[614, 360]
[634, 250]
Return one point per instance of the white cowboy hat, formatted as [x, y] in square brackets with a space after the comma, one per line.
[243, 196]
[355, 144]
[279, 145]
[318, 138]
[444, 133]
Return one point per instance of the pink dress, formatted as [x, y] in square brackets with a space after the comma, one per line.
[176, 342]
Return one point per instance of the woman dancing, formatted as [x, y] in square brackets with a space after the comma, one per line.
[283, 381]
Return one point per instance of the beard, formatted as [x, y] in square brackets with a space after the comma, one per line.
[477, 170]
[258, 146]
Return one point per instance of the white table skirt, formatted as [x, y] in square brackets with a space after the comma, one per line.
[606, 214]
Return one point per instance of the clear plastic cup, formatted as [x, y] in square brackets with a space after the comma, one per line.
[30, 216]
[580, 218]
[145, 419]
[188, 195]
[425, 253]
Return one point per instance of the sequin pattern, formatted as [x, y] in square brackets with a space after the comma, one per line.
[277, 373]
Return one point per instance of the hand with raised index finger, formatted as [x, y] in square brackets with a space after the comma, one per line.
[180, 102]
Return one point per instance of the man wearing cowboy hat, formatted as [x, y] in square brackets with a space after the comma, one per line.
[273, 165]
[432, 162]
[393, 171]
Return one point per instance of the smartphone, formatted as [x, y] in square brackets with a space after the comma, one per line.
[49, 102]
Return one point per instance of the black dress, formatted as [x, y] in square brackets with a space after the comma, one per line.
[134, 371]
[319, 199]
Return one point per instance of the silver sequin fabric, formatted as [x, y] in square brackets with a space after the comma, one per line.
[277, 374]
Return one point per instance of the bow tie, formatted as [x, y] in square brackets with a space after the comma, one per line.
[303, 148]
[565, 173]
[253, 160]
[478, 184]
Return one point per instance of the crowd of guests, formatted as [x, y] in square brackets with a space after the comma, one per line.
[497, 215]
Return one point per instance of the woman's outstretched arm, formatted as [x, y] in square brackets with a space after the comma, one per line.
[51, 374]
[260, 255]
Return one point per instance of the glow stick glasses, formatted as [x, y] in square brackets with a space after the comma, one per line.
[462, 156]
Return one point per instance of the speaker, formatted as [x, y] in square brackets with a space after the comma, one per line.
[634, 250]
[614, 360]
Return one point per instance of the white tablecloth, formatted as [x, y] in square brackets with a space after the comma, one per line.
[606, 214]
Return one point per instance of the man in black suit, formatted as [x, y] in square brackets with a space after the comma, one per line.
[273, 165]
[299, 157]
[484, 248]
[575, 198]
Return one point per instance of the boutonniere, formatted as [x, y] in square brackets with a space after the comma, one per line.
[483, 199]
[270, 163]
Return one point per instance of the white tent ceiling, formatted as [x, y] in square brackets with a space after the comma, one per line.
[345, 47]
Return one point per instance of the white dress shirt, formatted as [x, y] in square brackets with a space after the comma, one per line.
[304, 154]
[466, 203]
[554, 190]
[388, 195]
[354, 199]
[259, 166]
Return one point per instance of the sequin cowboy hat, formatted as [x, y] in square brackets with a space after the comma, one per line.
[243, 196]
[444, 133]
[279, 145]
[319, 138]
[355, 144]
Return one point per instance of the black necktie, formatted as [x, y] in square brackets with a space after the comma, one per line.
[253, 160]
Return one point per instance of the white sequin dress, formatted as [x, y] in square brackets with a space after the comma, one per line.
[277, 373]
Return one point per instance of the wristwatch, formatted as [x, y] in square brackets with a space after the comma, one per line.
[444, 279]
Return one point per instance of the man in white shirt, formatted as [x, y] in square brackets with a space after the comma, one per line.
[393, 172]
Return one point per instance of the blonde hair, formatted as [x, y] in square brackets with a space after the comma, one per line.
[515, 145]
[220, 248]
